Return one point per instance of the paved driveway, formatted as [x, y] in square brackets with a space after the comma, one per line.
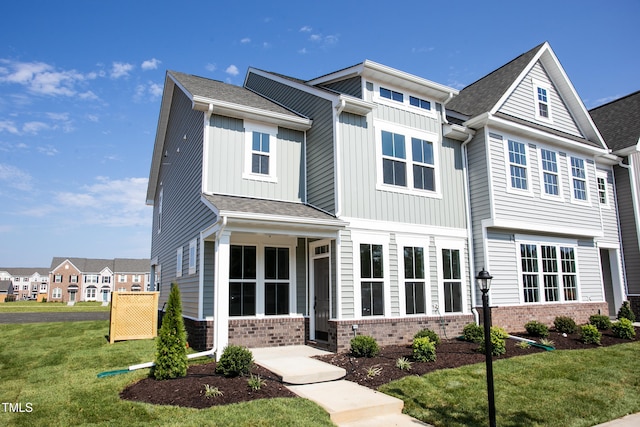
[52, 317]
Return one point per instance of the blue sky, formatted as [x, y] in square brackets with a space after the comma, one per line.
[81, 82]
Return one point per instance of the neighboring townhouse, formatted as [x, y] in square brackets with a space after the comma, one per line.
[87, 279]
[343, 213]
[619, 123]
[28, 283]
[6, 290]
[542, 194]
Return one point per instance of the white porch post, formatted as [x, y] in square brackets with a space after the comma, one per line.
[221, 286]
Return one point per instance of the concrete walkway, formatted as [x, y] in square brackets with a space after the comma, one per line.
[348, 404]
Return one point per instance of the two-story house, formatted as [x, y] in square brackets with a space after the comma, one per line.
[290, 211]
[619, 124]
[28, 283]
[541, 191]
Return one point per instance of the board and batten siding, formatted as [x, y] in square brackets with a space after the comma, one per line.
[183, 214]
[351, 86]
[227, 158]
[346, 281]
[628, 228]
[319, 139]
[358, 159]
[532, 208]
[522, 103]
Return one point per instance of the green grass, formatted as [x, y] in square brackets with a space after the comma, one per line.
[54, 367]
[49, 307]
[557, 388]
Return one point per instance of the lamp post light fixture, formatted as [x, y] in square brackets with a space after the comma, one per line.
[484, 282]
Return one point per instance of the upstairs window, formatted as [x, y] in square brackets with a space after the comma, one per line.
[423, 164]
[602, 189]
[542, 98]
[550, 172]
[518, 165]
[394, 166]
[391, 94]
[543, 103]
[260, 152]
[420, 103]
[579, 179]
[192, 256]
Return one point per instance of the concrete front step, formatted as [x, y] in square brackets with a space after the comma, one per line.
[396, 420]
[294, 364]
[348, 402]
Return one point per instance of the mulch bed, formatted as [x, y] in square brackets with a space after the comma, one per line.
[190, 390]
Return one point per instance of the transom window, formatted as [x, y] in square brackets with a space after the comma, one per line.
[579, 178]
[372, 284]
[451, 273]
[552, 265]
[550, 172]
[420, 103]
[391, 94]
[414, 285]
[518, 165]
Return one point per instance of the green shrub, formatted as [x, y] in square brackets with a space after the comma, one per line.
[537, 329]
[624, 329]
[565, 324]
[235, 361]
[171, 345]
[472, 332]
[600, 321]
[364, 346]
[255, 382]
[498, 346]
[429, 334]
[403, 364]
[424, 350]
[625, 312]
[589, 334]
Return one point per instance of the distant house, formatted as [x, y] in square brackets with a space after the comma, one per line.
[619, 124]
[87, 279]
[541, 190]
[6, 289]
[28, 282]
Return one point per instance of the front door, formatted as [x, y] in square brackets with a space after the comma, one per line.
[321, 297]
[72, 296]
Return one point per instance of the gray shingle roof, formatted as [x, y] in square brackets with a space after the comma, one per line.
[482, 95]
[6, 287]
[266, 207]
[619, 121]
[26, 271]
[95, 265]
[217, 90]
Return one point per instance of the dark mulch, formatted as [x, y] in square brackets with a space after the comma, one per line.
[190, 390]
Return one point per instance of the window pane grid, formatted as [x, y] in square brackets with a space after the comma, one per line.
[579, 178]
[414, 290]
[518, 163]
[550, 171]
[602, 191]
[371, 267]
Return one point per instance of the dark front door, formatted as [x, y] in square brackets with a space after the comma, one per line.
[321, 300]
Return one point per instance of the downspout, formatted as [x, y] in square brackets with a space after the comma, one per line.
[338, 175]
[635, 202]
[476, 315]
[216, 293]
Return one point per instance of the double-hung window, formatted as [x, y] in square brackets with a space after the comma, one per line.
[178, 262]
[242, 280]
[372, 284]
[569, 278]
[57, 278]
[518, 165]
[260, 152]
[551, 266]
[529, 262]
[542, 98]
[578, 178]
[394, 163]
[602, 189]
[452, 280]
[192, 256]
[414, 285]
[276, 274]
[423, 164]
[550, 175]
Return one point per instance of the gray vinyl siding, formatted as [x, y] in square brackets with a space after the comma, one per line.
[352, 86]
[227, 157]
[394, 276]
[360, 197]
[184, 215]
[521, 103]
[319, 139]
[208, 274]
[503, 258]
[608, 212]
[516, 206]
[589, 273]
[347, 275]
[628, 230]
[480, 200]
[301, 277]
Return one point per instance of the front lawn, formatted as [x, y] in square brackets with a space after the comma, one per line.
[51, 307]
[52, 368]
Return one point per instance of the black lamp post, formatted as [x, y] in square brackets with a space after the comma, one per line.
[484, 282]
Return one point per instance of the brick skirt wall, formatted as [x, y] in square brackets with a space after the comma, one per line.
[267, 332]
[513, 318]
[393, 331]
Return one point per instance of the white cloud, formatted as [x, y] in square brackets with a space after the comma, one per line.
[88, 95]
[41, 78]
[232, 70]
[211, 67]
[155, 89]
[47, 150]
[15, 178]
[149, 89]
[120, 69]
[303, 50]
[34, 127]
[306, 29]
[245, 40]
[315, 37]
[325, 41]
[8, 126]
[150, 64]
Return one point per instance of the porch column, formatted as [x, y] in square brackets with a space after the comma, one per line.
[221, 286]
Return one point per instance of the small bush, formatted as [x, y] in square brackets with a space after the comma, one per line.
[600, 321]
[403, 364]
[364, 346]
[564, 324]
[429, 334]
[537, 329]
[589, 334]
[547, 342]
[498, 346]
[235, 361]
[472, 332]
[625, 312]
[424, 350]
[624, 329]
[212, 391]
[255, 382]
[523, 345]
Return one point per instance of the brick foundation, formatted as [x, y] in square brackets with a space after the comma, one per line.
[267, 332]
[393, 331]
[199, 332]
[513, 318]
[634, 302]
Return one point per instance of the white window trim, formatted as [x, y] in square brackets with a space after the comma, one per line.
[543, 193]
[422, 242]
[179, 252]
[378, 127]
[547, 241]
[538, 84]
[249, 128]
[441, 244]
[527, 167]
[603, 175]
[370, 238]
[405, 104]
[160, 197]
[193, 254]
[587, 201]
[260, 244]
